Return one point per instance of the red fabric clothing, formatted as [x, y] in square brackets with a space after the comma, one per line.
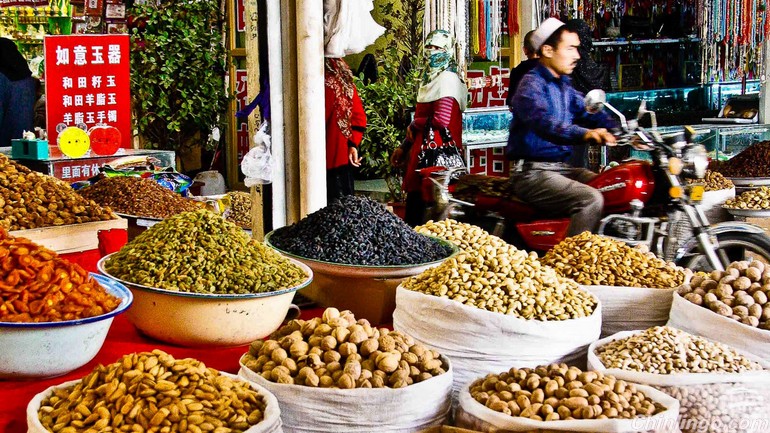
[336, 142]
[444, 113]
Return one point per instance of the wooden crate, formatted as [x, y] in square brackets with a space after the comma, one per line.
[71, 238]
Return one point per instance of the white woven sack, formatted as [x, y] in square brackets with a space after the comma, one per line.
[701, 321]
[627, 308]
[473, 415]
[411, 409]
[712, 202]
[480, 341]
[270, 424]
[731, 402]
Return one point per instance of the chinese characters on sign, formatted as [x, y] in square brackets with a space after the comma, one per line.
[489, 96]
[241, 98]
[73, 171]
[87, 81]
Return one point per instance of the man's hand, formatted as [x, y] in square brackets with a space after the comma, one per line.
[600, 136]
[397, 158]
[353, 158]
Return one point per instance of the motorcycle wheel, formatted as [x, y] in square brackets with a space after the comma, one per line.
[733, 246]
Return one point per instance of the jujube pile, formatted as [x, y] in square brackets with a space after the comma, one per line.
[201, 252]
[152, 391]
[358, 231]
[138, 197]
[754, 161]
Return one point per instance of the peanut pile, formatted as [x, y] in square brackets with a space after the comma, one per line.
[152, 391]
[740, 292]
[557, 392]
[495, 276]
[138, 197]
[31, 200]
[338, 351]
[666, 350]
[591, 259]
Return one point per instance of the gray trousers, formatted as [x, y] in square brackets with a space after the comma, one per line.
[562, 192]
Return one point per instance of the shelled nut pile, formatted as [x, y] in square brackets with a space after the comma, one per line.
[152, 391]
[597, 260]
[201, 252]
[666, 350]
[31, 200]
[557, 392]
[740, 292]
[338, 351]
[239, 210]
[138, 197]
[36, 285]
[756, 199]
[713, 181]
[495, 276]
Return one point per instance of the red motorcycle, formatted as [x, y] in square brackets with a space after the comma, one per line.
[644, 203]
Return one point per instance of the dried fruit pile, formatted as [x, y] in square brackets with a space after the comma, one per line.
[754, 161]
[139, 197]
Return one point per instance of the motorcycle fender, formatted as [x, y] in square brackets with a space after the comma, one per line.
[543, 235]
[719, 228]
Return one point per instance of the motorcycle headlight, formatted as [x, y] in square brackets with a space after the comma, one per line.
[696, 161]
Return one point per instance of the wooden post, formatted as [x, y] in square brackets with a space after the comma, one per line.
[252, 67]
[764, 98]
[290, 130]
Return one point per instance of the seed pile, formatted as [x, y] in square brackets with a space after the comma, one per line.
[558, 392]
[495, 276]
[36, 285]
[202, 253]
[597, 260]
[358, 231]
[153, 392]
[756, 199]
[713, 181]
[754, 161]
[31, 200]
[338, 351]
[740, 292]
[239, 210]
[666, 350]
[139, 197]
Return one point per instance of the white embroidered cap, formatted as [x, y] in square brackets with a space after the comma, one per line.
[545, 31]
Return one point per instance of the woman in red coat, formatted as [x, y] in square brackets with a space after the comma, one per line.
[441, 99]
[345, 125]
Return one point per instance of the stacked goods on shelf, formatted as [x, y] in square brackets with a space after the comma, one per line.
[728, 306]
[191, 272]
[561, 398]
[719, 389]
[152, 391]
[526, 313]
[634, 286]
[329, 373]
[139, 197]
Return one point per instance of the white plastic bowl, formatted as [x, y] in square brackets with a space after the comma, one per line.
[200, 320]
[49, 349]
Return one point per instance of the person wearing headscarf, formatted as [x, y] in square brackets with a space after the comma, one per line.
[17, 94]
[345, 126]
[441, 99]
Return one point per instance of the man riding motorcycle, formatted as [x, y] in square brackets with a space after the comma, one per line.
[549, 116]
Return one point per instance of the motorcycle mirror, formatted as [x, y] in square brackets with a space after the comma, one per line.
[595, 100]
[643, 110]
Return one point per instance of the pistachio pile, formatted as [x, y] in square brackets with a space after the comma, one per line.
[201, 252]
[31, 200]
[713, 181]
[338, 351]
[557, 392]
[152, 391]
[597, 260]
[239, 209]
[495, 276]
[756, 199]
[666, 350]
[740, 292]
[466, 236]
[139, 197]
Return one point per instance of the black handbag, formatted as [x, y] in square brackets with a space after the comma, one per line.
[445, 155]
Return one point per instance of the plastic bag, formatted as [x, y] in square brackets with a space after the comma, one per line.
[701, 321]
[709, 402]
[480, 341]
[213, 182]
[257, 164]
[629, 308]
[383, 410]
[473, 415]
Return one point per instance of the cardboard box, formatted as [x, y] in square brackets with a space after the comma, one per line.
[70, 238]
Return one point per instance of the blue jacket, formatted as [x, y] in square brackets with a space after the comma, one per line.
[549, 117]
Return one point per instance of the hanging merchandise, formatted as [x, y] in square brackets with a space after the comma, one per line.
[257, 164]
[452, 16]
[349, 27]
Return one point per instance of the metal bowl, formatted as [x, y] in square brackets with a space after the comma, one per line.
[198, 319]
[750, 181]
[757, 213]
[365, 271]
[48, 349]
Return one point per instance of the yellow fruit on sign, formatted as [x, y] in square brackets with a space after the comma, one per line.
[74, 142]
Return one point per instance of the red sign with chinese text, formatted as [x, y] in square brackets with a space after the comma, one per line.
[241, 100]
[87, 80]
[75, 170]
[492, 96]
